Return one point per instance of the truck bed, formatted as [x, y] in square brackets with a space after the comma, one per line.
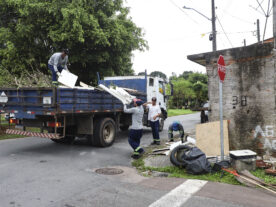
[27, 103]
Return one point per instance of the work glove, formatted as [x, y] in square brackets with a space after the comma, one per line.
[58, 73]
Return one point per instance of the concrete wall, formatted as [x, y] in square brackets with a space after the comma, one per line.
[249, 96]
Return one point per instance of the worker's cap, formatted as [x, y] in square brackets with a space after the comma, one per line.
[66, 51]
[139, 102]
[175, 125]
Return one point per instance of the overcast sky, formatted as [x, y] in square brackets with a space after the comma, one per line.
[173, 33]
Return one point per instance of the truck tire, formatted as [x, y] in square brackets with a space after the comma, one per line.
[124, 127]
[104, 132]
[161, 124]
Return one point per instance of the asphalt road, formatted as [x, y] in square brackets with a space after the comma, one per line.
[38, 172]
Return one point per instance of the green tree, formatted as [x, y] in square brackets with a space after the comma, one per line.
[99, 34]
[186, 74]
[195, 77]
[183, 93]
[158, 74]
[201, 91]
[141, 73]
[173, 76]
[189, 89]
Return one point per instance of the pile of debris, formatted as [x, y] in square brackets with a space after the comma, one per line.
[200, 156]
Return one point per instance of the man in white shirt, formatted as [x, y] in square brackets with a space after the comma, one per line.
[153, 116]
[58, 62]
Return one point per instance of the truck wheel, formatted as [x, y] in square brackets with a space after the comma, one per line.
[124, 127]
[104, 132]
[161, 124]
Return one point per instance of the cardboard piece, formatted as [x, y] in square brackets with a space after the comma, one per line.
[208, 138]
[67, 78]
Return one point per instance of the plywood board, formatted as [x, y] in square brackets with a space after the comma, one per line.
[208, 138]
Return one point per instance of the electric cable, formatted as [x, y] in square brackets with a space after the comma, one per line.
[173, 3]
[261, 7]
[243, 20]
[224, 32]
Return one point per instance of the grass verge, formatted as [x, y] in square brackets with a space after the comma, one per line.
[14, 136]
[267, 178]
[10, 136]
[214, 177]
[177, 112]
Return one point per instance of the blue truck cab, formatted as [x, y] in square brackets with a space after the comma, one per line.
[62, 113]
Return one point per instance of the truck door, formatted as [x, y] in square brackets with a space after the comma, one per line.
[161, 94]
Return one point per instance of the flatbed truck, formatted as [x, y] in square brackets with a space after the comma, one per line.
[62, 114]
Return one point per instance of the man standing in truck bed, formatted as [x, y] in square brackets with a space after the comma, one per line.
[58, 62]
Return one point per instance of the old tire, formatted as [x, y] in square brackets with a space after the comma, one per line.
[177, 153]
[104, 132]
[124, 127]
[161, 124]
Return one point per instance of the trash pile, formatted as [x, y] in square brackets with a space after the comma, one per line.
[189, 155]
[191, 158]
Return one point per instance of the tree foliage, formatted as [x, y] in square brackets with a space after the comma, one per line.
[158, 74]
[189, 90]
[186, 74]
[98, 33]
[141, 73]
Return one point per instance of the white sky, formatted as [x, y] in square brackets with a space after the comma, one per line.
[173, 33]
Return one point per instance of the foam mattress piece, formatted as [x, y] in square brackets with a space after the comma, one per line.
[68, 79]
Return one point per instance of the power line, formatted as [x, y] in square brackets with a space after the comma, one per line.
[261, 7]
[243, 20]
[255, 9]
[172, 2]
[224, 32]
[260, 4]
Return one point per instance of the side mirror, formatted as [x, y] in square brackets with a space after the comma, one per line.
[171, 88]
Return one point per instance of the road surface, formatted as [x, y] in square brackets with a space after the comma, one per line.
[38, 172]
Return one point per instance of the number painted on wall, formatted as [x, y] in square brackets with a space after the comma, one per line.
[236, 102]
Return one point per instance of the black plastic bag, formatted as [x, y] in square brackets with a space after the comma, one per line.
[193, 159]
[196, 162]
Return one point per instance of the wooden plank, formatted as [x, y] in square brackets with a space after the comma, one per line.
[208, 138]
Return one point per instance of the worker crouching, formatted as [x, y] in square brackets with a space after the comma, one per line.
[175, 126]
[136, 129]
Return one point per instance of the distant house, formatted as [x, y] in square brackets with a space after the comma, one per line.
[249, 94]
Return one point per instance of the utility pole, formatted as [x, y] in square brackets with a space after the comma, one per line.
[244, 42]
[220, 82]
[258, 30]
[213, 20]
[214, 27]
[274, 22]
